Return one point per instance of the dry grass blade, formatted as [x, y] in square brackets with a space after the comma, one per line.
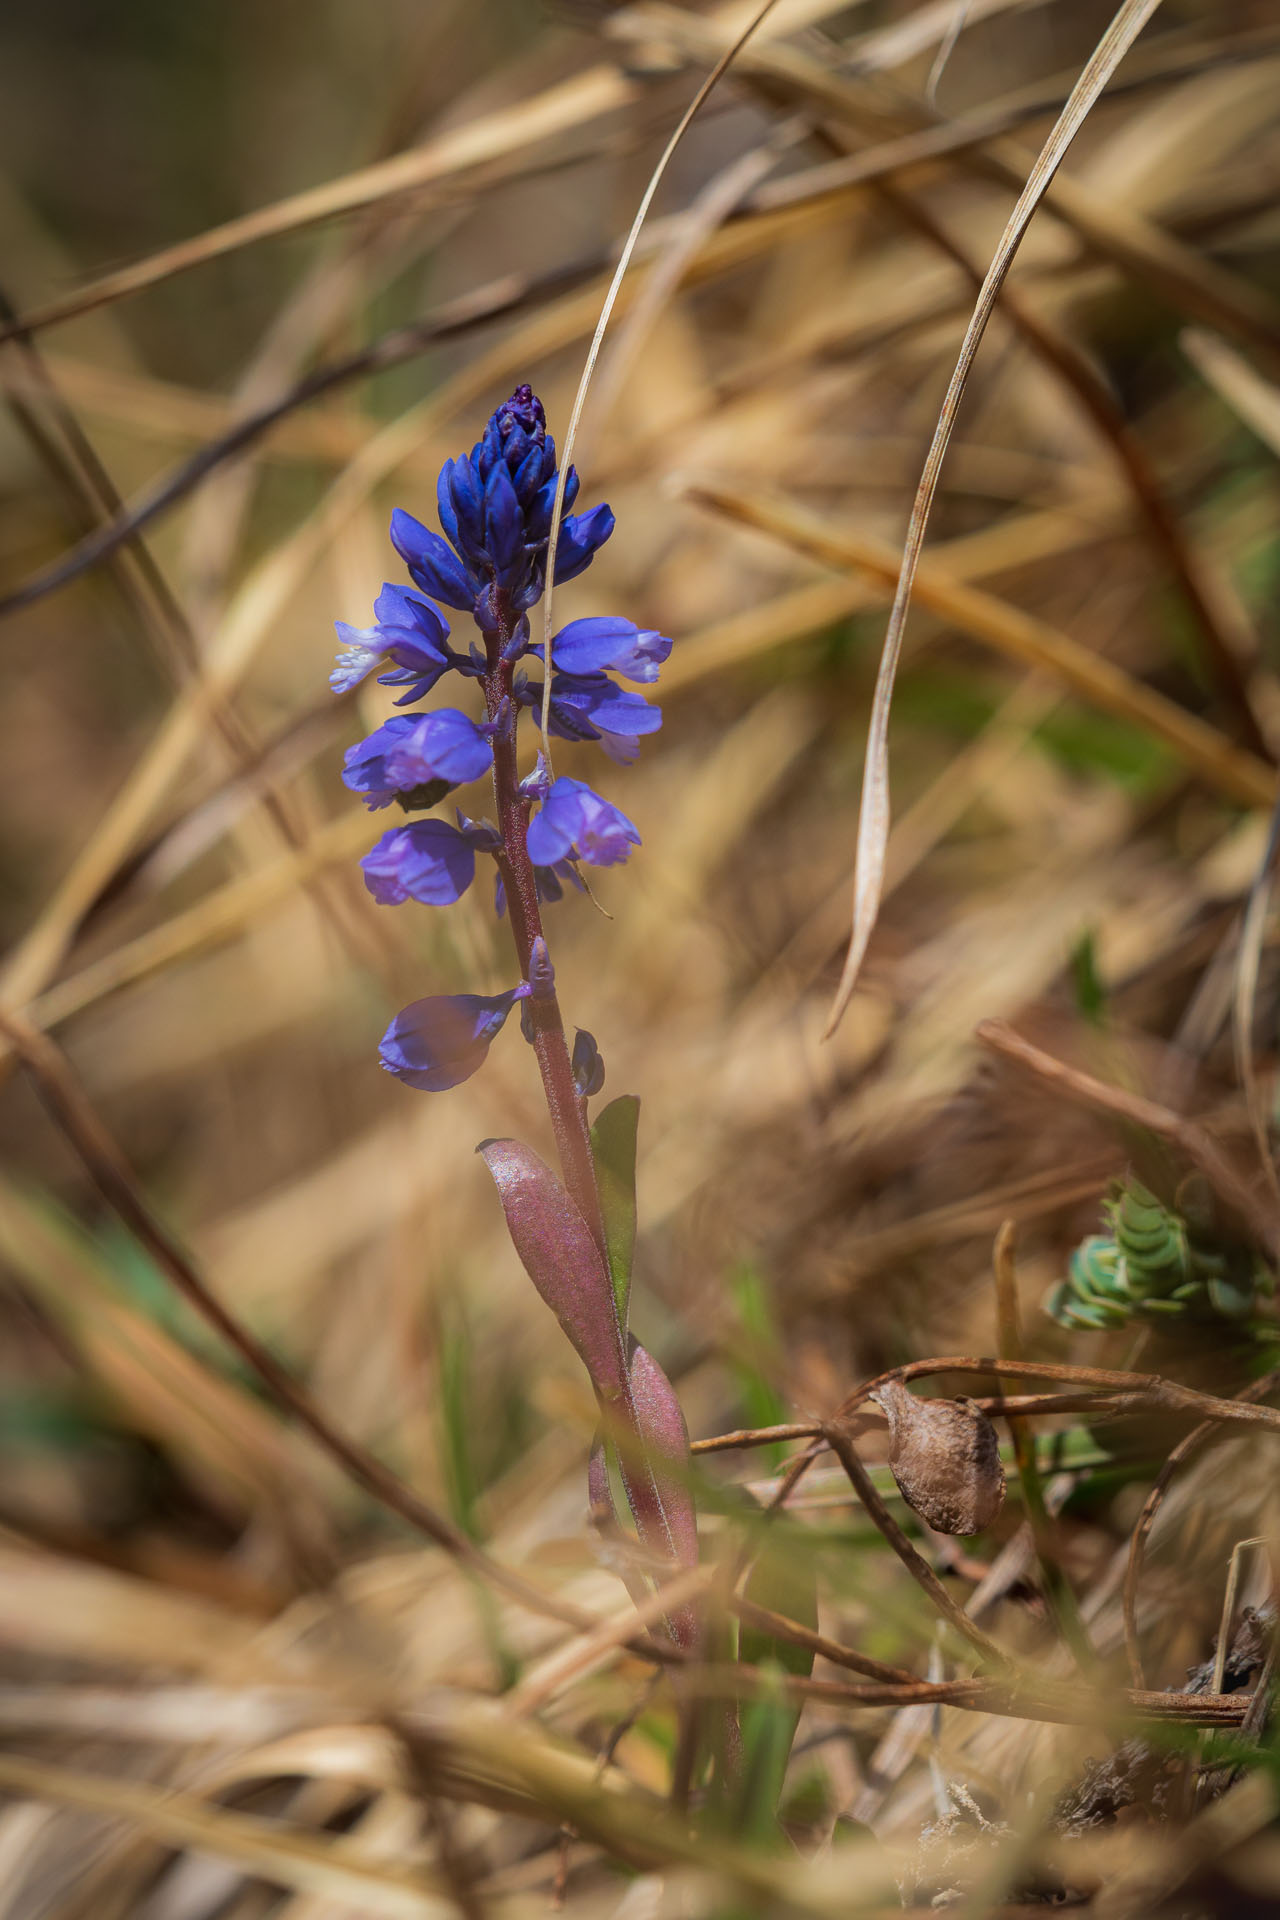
[586, 97]
[1255, 399]
[1244, 1003]
[873, 822]
[682, 126]
[1235, 772]
[333, 1868]
[1199, 1147]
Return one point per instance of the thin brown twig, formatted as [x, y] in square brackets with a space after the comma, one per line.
[1144, 1392]
[1189, 1445]
[915, 1563]
[1011, 1405]
[783, 1628]
[1185, 1134]
[1073, 1705]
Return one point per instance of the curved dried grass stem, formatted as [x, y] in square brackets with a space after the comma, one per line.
[1186, 1448]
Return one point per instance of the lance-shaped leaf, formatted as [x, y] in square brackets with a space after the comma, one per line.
[560, 1257]
[613, 1147]
[666, 1445]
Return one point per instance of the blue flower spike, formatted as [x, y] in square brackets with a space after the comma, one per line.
[489, 560]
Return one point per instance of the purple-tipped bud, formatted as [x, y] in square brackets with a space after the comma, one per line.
[433, 564]
[588, 1066]
[439, 1042]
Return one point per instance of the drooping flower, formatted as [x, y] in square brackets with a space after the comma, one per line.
[427, 860]
[411, 751]
[439, 1042]
[573, 823]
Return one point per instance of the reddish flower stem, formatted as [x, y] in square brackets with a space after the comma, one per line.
[568, 1111]
[568, 1117]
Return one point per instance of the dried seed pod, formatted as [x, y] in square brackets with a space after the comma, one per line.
[945, 1458]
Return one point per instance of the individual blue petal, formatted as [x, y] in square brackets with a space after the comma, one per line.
[444, 503]
[442, 745]
[397, 607]
[363, 648]
[428, 861]
[503, 520]
[539, 510]
[581, 537]
[594, 697]
[467, 494]
[586, 646]
[575, 823]
[622, 751]
[526, 477]
[439, 1042]
[365, 768]
[433, 564]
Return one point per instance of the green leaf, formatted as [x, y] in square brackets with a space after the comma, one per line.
[753, 1352]
[768, 1729]
[783, 1579]
[613, 1147]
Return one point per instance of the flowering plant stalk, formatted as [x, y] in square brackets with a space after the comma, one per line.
[574, 1236]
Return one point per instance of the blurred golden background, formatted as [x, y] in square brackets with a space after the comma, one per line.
[201, 207]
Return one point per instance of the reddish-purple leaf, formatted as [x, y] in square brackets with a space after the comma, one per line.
[561, 1258]
[666, 1442]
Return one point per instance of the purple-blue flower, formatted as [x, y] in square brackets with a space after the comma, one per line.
[409, 633]
[573, 823]
[605, 641]
[417, 750]
[427, 860]
[439, 1042]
